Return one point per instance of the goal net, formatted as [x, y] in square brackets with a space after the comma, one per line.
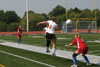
[80, 26]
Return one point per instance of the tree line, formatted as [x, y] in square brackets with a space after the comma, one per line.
[9, 20]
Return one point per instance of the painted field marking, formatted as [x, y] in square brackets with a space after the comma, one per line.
[95, 41]
[26, 58]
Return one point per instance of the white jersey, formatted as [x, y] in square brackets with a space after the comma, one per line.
[46, 29]
[52, 27]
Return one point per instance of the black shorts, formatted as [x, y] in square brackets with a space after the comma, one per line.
[50, 36]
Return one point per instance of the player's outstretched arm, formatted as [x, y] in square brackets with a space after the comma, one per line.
[69, 45]
[75, 46]
[43, 22]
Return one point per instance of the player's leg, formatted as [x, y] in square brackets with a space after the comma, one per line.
[48, 41]
[86, 59]
[18, 37]
[85, 51]
[20, 40]
[47, 45]
[54, 45]
[74, 58]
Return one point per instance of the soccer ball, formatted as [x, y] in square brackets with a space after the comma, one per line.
[68, 21]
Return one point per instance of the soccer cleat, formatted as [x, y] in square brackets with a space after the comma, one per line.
[74, 66]
[54, 54]
[47, 51]
[88, 64]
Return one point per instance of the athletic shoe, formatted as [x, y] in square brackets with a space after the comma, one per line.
[47, 51]
[88, 64]
[74, 66]
[54, 54]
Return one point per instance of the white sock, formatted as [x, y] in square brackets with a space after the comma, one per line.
[53, 50]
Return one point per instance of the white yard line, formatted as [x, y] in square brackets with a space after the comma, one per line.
[64, 38]
[59, 53]
[95, 41]
[37, 36]
[26, 58]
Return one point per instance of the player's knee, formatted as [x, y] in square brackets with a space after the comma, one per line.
[74, 55]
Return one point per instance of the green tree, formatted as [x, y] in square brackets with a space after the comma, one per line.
[60, 19]
[1, 15]
[13, 26]
[11, 16]
[74, 13]
[77, 10]
[58, 10]
[3, 26]
[86, 13]
[33, 19]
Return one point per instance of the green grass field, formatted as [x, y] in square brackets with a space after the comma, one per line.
[12, 61]
[39, 40]
[62, 39]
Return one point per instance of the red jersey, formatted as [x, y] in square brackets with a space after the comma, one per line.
[20, 30]
[19, 35]
[80, 43]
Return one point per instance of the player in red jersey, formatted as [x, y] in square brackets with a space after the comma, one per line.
[19, 30]
[19, 34]
[82, 48]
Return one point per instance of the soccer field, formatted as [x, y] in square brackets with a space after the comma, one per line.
[92, 40]
[13, 57]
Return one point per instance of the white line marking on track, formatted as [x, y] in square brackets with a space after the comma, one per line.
[26, 59]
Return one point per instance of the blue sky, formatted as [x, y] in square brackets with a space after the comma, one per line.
[44, 6]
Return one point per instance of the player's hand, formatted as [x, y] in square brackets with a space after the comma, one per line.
[67, 45]
[75, 46]
[38, 24]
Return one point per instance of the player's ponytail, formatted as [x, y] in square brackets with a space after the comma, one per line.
[53, 18]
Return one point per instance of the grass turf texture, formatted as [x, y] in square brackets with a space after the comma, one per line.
[39, 40]
[11, 61]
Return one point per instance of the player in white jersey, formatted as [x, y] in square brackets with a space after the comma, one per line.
[51, 32]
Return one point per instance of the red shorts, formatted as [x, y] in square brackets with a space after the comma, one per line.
[83, 51]
[18, 35]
